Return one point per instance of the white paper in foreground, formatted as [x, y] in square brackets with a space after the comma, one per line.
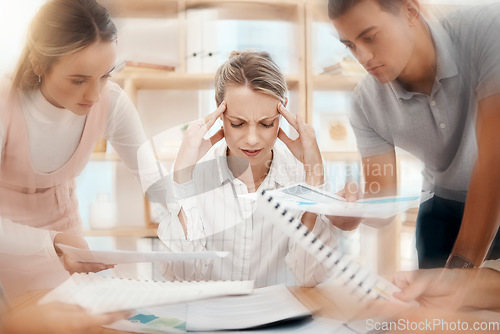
[120, 256]
[172, 319]
[108, 294]
[303, 197]
[264, 306]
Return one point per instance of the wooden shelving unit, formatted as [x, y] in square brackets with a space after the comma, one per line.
[341, 156]
[335, 82]
[133, 80]
[301, 84]
[161, 79]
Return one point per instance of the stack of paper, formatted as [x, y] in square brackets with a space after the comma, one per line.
[266, 306]
[107, 294]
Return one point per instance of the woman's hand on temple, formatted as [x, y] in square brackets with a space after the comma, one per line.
[194, 146]
[304, 148]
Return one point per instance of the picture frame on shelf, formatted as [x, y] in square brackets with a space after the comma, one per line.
[335, 133]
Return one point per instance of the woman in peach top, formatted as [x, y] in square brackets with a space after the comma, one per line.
[58, 104]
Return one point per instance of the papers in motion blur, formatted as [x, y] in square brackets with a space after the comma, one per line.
[303, 197]
[272, 309]
[120, 256]
[100, 294]
[265, 306]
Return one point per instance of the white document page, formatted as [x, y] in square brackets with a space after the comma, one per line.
[153, 320]
[264, 306]
[101, 294]
[303, 197]
[120, 256]
[172, 319]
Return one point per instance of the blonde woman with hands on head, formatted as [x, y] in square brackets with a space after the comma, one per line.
[214, 177]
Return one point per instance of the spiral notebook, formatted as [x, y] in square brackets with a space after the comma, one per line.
[360, 280]
[100, 294]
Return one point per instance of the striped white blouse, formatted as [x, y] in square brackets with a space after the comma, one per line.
[219, 220]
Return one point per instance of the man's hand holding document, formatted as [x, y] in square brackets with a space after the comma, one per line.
[303, 197]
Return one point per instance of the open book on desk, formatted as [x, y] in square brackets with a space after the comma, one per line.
[100, 294]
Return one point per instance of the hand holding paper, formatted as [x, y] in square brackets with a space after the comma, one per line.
[119, 256]
[72, 264]
[303, 197]
[351, 193]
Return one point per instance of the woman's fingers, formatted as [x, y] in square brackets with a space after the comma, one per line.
[284, 138]
[293, 145]
[211, 118]
[300, 123]
[194, 146]
[95, 267]
[305, 131]
[217, 136]
[207, 144]
[288, 116]
[73, 266]
[198, 129]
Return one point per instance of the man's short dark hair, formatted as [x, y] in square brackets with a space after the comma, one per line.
[337, 8]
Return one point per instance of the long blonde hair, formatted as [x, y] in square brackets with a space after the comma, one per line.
[255, 70]
[60, 27]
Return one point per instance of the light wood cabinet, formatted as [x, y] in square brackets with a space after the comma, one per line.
[298, 14]
[291, 11]
[302, 79]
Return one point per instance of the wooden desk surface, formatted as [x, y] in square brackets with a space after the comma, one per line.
[322, 301]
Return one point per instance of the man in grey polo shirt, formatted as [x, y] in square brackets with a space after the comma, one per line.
[431, 86]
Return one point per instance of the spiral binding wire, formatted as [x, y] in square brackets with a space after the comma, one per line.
[362, 282]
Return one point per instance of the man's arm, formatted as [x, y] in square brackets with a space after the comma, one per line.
[482, 209]
[484, 293]
[380, 174]
[450, 288]
[380, 180]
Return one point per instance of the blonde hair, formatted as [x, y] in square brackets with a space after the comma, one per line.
[255, 70]
[60, 27]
